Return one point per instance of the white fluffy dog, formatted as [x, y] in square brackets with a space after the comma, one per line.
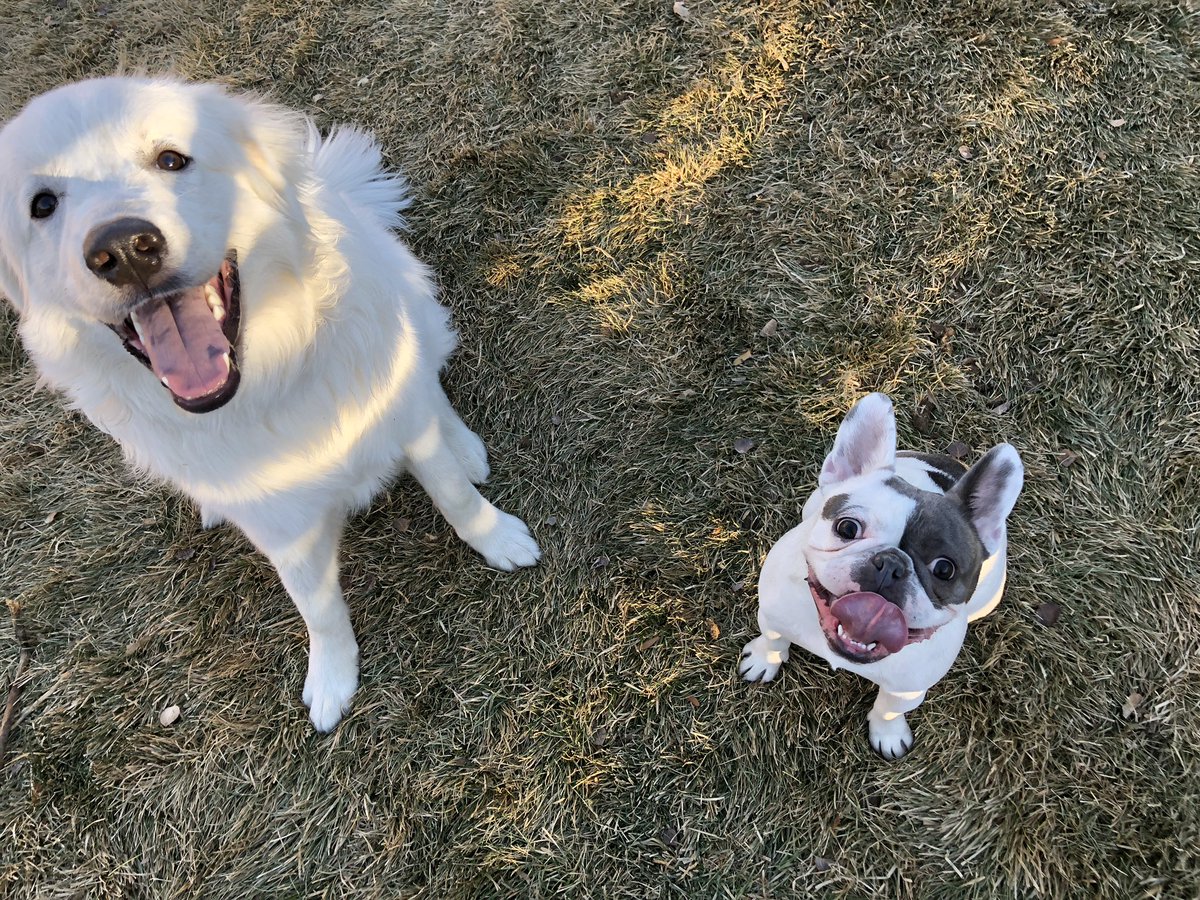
[218, 288]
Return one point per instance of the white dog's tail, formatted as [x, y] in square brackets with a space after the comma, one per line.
[349, 162]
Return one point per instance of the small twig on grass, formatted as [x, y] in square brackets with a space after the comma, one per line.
[14, 689]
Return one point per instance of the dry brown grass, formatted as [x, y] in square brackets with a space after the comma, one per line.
[616, 201]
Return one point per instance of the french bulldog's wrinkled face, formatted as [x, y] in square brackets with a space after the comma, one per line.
[890, 562]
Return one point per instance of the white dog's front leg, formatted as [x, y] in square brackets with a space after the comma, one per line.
[890, 735]
[434, 460]
[308, 567]
[762, 657]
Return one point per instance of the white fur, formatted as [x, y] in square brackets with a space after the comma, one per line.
[341, 343]
[862, 460]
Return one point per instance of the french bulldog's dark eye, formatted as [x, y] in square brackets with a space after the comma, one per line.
[942, 569]
[43, 206]
[848, 529]
[172, 161]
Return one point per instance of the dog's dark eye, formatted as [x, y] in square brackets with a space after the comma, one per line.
[43, 205]
[943, 569]
[848, 529]
[171, 161]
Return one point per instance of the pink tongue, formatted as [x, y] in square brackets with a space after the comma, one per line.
[868, 618]
[185, 344]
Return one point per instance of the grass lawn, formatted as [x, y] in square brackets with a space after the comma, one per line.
[987, 209]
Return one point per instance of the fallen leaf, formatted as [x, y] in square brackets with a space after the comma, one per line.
[923, 416]
[966, 152]
[551, 520]
[401, 524]
[1001, 408]
[714, 629]
[600, 562]
[365, 80]
[1116, 123]
[556, 419]
[822, 864]
[1132, 702]
[50, 517]
[1054, 41]
[648, 643]
[1048, 613]
[317, 97]
[681, 10]
[770, 328]
[649, 137]
[600, 737]
[742, 357]
[669, 836]
[743, 445]
[737, 586]
[957, 450]
[606, 331]
[1068, 458]
[693, 701]
[184, 554]
[168, 716]
[937, 330]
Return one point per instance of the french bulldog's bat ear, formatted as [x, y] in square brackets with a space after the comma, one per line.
[988, 492]
[866, 441]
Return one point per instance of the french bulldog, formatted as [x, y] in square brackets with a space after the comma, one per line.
[894, 555]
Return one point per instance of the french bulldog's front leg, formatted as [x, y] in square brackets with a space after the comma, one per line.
[890, 735]
[762, 657]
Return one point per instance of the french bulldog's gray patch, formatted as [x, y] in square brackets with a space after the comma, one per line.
[894, 555]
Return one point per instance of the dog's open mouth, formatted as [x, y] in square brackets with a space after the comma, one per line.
[189, 339]
[862, 626]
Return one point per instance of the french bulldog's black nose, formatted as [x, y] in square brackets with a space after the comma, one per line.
[891, 566]
[125, 251]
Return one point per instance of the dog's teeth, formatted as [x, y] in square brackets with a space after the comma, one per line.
[872, 645]
[841, 631]
[137, 328]
[164, 383]
[214, 302]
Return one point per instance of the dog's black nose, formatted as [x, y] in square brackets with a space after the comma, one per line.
[125, 251]
[891, 565]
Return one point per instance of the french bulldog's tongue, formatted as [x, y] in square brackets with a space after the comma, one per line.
[185, 344]
[869, 618]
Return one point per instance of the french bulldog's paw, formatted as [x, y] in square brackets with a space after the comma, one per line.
[331, 682]
[761, 659]
[470, 452]
[507, 544]
[890, 739]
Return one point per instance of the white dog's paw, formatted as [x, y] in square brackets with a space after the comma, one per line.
[507, 544]
[891, 740]
[761, 660]
[470, 452]
[331, 682]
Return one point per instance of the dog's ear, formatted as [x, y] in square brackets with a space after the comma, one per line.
[988, 492]
[274, 141]
[10, 284]
[866, 441]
